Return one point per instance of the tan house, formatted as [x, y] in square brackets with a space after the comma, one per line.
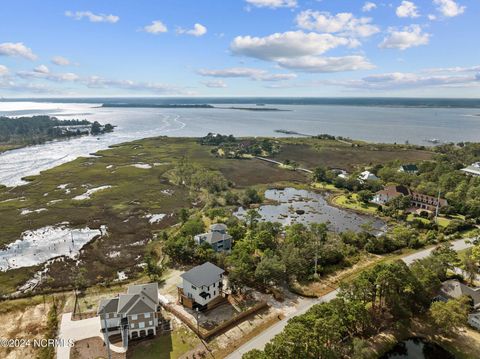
[419, 200]
[132, 315]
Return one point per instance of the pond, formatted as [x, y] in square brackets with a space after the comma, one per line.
[417, 348]
[305, 207]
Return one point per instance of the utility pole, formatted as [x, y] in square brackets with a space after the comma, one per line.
[438, 207]
[107, 339]
[198, 325]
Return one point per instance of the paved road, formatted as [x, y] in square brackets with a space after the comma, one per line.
[78, 330]
[304, 305]
[280, 163]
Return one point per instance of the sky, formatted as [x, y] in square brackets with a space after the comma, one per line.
[304, 48]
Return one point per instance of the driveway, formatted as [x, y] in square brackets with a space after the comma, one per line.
[79, 330]
[260, 340]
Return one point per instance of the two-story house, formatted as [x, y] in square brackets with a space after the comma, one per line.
[133, 315]
[218, 238]
[201, 287]
[419, 201]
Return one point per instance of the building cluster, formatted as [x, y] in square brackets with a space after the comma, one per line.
[136, 314]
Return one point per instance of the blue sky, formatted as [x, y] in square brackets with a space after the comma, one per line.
[240, 48]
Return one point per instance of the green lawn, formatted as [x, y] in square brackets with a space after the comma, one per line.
[353, 203]
[167, 346]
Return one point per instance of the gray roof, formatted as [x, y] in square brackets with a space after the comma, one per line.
[140, 298]
[218, 227]
[203, 275]
[148, 292]
[474, 169]
[110, 306]
[455, 289]
[126, 301]
[214, 237]
[140, 307]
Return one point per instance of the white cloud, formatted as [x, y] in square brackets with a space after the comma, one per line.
[457, 69]
[16, 49]
[431, 17]
[402, 80]
[9, 85]
[42, 69]
[327, 64]
[409, 36]
[60, 61]
[198, 30]
[100, 82]
[156, 27]
[215, 84]
[246, 72]
[369, 6]
[449, 8]
[3, 70]
[42, 72]
[407, 9]
[273, 4]
[345, 24]
[287, 45]
[79, 15]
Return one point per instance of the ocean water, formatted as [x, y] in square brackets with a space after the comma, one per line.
[375, 120]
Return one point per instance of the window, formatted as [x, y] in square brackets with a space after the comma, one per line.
[213, 285]
[193, 287]
[146, 315]
[134, 317]
[214, 292]
[141, 325]
[132, 325]
[150, 323]
[107, 315]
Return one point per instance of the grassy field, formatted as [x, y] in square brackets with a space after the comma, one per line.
[134, 193]
[311, 153]
[137, 192]
[352, 202]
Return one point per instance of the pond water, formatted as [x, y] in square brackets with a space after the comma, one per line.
[417, 348]
[40, 245]
[305, 207]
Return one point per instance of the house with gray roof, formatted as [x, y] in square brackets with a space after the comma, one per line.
[202, 287]
[452, 289]
[218, 238]
[133, 315]
[472, 170]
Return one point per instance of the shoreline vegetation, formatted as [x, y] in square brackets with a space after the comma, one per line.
[28, 131]
[196, 106]
[190, 183]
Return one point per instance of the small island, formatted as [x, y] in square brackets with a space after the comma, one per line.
[26, 131]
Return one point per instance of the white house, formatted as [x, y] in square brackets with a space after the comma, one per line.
[201, 286]
[133, 315]
[472, 170]
[366, 176]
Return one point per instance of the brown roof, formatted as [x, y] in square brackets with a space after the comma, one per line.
[395, 191]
